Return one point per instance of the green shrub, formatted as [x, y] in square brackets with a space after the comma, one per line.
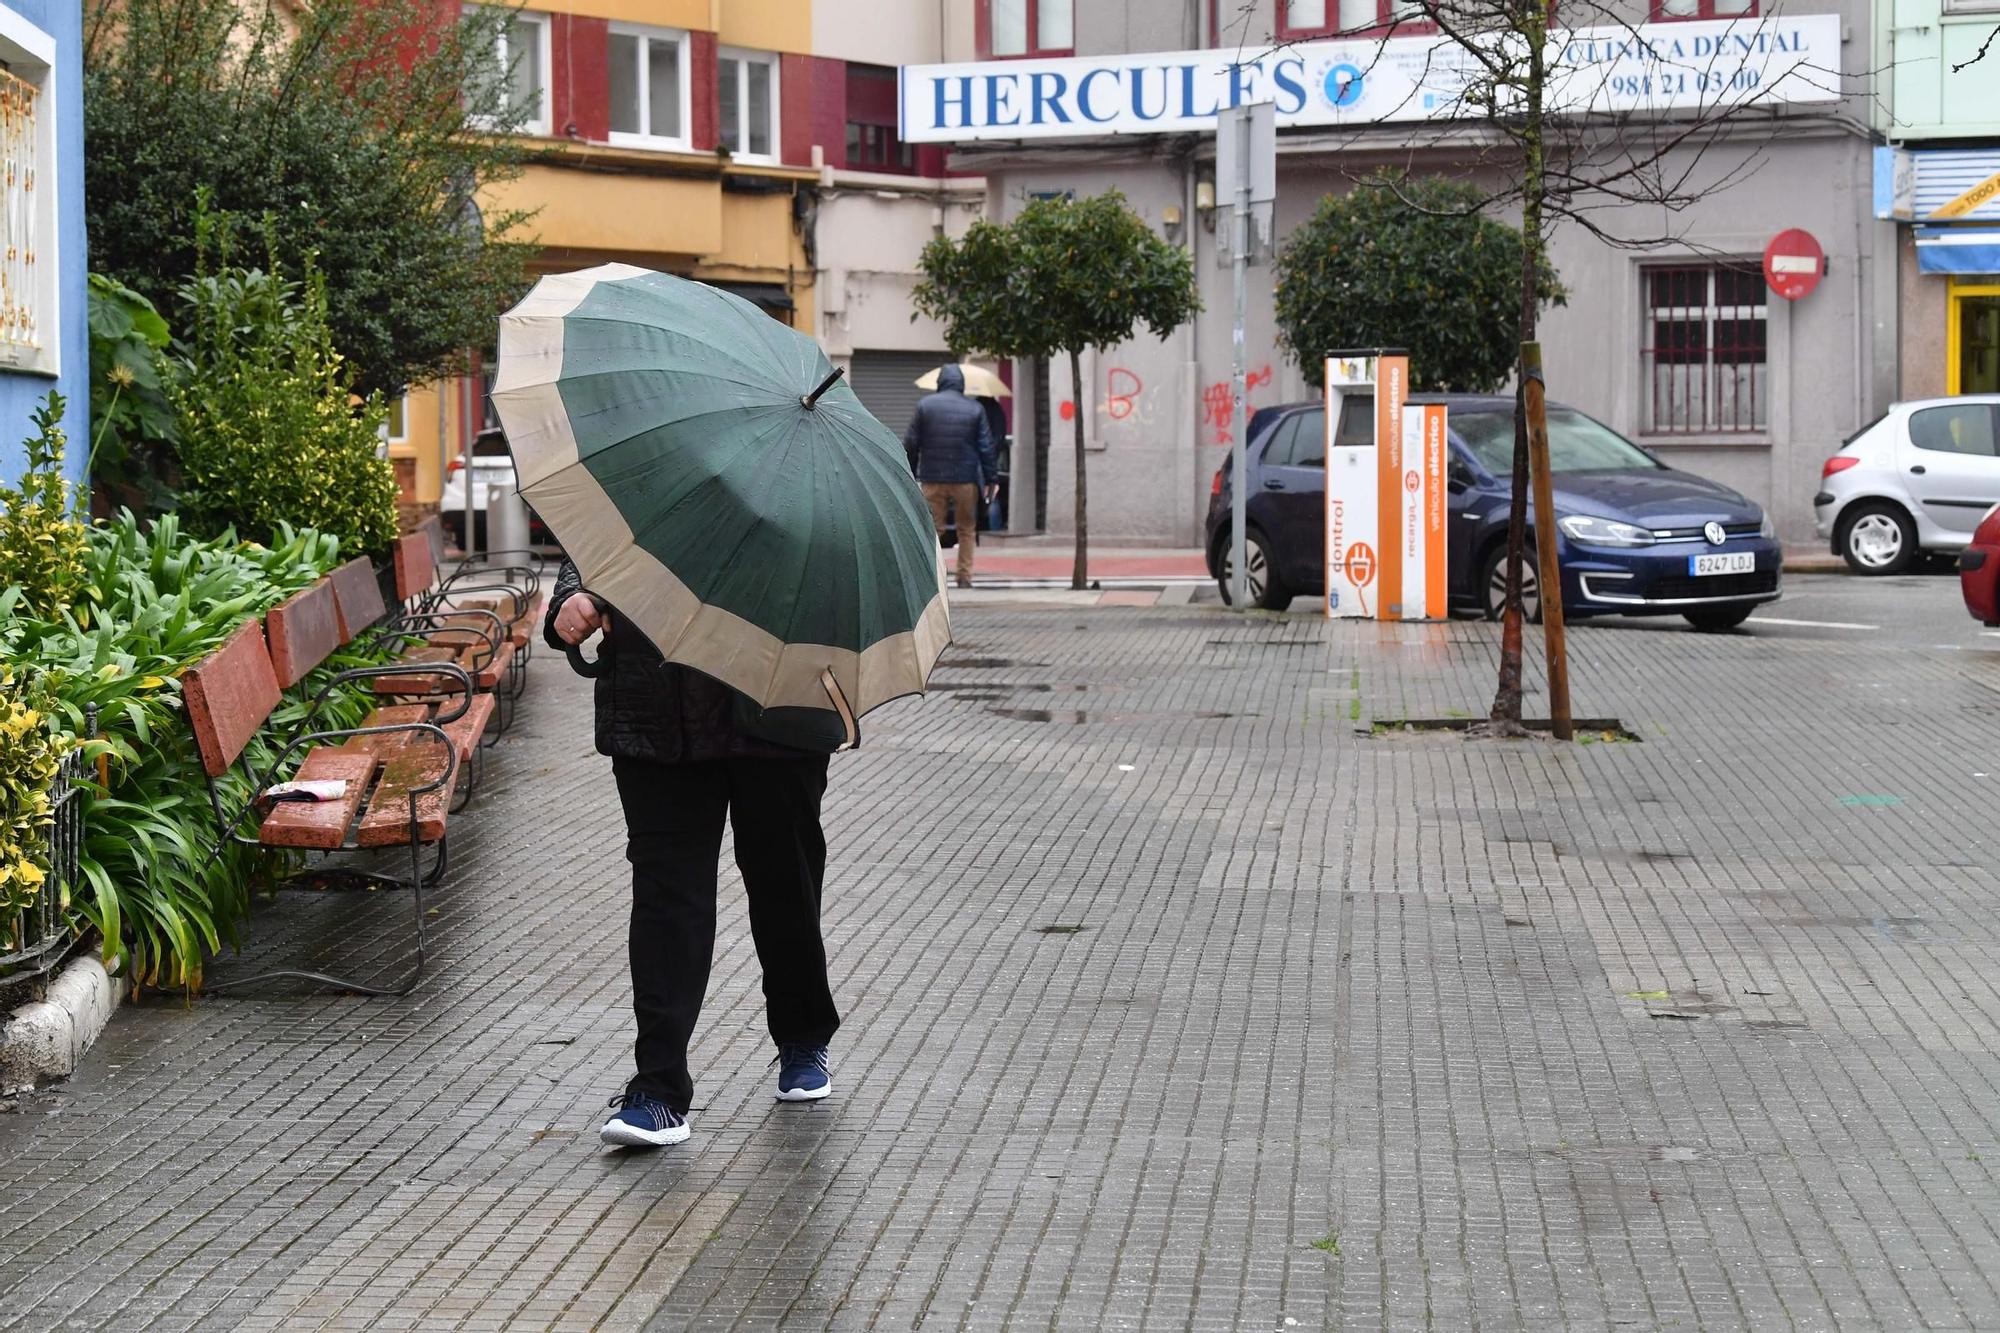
[29, 754]
[41, 541]
[132, 424]
[269, 432]
[1412, 264]
[155, 895]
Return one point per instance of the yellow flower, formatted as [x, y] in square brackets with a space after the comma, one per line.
[30, 874]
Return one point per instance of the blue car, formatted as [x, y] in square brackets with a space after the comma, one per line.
[1636, 537]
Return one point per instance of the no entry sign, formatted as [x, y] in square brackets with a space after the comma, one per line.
[1793, 263]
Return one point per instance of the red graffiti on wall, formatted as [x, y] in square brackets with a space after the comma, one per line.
[1066, 409]
[1218, 407]
[1218, 403]
[1118, 406]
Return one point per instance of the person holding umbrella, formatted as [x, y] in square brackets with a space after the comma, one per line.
[762, 566]
[952, 452]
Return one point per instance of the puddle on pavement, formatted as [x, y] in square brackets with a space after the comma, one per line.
[983, 663]
[1077, 717]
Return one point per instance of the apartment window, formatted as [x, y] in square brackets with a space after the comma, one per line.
[1667, 10]
[399, 419]
[1971, 6]
[29, 237]
[1704, 354]
[1026, 27]
[876, 148]
[521, 68]
[872, 144]
[748, 87]
[1324, 18]
[649, 87]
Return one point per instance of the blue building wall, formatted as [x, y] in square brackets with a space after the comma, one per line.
[21, 392]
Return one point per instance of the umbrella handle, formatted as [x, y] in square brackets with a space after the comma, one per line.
[581, 665]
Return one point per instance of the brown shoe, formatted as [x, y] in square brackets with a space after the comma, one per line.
[965, 583]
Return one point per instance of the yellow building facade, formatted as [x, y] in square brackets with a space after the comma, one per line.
[679, 135]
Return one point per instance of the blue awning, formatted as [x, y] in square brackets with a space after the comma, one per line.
[1958, 249]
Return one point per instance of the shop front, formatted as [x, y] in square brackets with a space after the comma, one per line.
[1948, 202]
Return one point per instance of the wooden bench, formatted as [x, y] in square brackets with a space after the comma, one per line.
[512, 591]
[439, 603]
[307, 628]
[398, 776]
[509, 569]
[473, 640]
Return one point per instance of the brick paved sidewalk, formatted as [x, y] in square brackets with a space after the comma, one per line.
[1176, 999]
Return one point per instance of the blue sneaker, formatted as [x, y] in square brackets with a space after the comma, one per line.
[803, 1076]
[643, 1122]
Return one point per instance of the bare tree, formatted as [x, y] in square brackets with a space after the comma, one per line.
[1571, 141]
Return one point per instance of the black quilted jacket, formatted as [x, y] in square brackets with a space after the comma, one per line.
[648, 708]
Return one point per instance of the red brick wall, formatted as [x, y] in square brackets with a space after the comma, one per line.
[580, 80]
[812, 109]
[705, 130]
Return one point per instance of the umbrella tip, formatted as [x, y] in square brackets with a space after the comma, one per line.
[810, 401]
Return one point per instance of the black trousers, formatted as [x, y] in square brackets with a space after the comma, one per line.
[673, 820]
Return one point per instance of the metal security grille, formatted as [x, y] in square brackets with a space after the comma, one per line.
[885, 382]
[1704, 355]
[19, 326]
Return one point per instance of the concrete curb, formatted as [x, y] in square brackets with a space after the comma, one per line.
[46, 1039]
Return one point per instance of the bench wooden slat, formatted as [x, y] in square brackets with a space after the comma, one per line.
[229, 694]
[303, 631]
[416, 565]
[387, 821]
[388, 745]
[321, 825]
[413, 683]
[357, 597]
[466, 731]
[489, 676]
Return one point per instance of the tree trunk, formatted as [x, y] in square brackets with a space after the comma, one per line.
[1506, 714]
[1080, 574]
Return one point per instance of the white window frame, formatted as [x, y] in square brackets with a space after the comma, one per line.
[30, 55]
[541, 124]
[745, 58]
[646, 138]
[1976, 8]
[396, 408]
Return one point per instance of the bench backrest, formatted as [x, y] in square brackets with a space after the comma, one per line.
[433, 528]
[357, 597]
[303, 631]
[416, 565]
[229, 695]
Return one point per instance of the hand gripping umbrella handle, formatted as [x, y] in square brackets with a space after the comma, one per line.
[589, 670]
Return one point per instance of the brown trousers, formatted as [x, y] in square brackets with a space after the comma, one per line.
[963, 496]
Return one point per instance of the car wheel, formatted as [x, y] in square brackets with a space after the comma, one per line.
[1714, 619]
[1493, 583]
[1878, 538]
[1259, 574]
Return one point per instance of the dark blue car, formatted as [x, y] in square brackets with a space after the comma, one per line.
[1637, 537]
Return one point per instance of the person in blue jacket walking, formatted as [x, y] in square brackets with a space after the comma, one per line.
[953, 453]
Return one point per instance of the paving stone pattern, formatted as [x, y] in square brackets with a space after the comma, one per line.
[1178, 995]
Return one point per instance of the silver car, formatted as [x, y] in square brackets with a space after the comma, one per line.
[1916, 481]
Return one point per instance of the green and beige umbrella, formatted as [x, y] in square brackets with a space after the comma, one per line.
[717, 485]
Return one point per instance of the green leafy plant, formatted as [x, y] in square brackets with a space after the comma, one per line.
[160, 901]
[1411, 264]
[1063, 276]
[30, 752]
[41, 539]
[364, 129]
[269, 434]
[131, 451]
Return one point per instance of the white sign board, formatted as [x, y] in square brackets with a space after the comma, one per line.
[1651, 67]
